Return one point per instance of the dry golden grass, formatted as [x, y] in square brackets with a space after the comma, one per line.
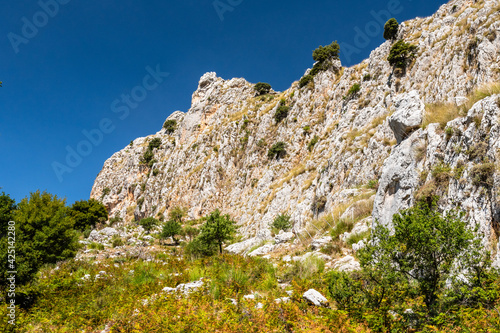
[442, 113]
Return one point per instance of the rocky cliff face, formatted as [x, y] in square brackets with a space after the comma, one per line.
[337, 144]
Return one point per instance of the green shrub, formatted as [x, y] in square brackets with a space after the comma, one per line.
[148, 223]
[391, 29]
[304, 81]
[116, 241]
[87, 213]
[282, 222]
[482, 174]
[402, 54]
[323, 53]
[171, 228]
[170, 126]
[306, 129]
[281, 113]
[148, 158]
[44, 235]
[277, 150]
[367, 77]
[355, 88]
[312, 143]
[262, 88]
[341, 227]
[155, 143]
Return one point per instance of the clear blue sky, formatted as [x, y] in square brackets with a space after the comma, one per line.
[63, 68]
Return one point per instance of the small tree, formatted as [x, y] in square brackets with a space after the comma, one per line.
[87, 213]
[401, 54]
[323, 53]
[426, 248]
[177, 214]
[217, 229]
[391, 29]
[170, 125]
[262, 88]
[282, 222]
[171, 228]
[155, 143]
[148, 223]
[277, 150]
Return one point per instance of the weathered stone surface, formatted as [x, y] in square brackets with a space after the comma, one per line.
[408, 115]
[315, 298]
[283, 237]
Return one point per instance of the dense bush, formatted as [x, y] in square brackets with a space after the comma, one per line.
[417, 274]
[277, 150]
[87, 213]
[7, 207]
[262, 88]
[312, 143]
[148, 158]
[170, 126]
[402, 54]
[391, 29]
[148, 223]
[281, 113]
[304, 81]
[323, 53]
[282, 222]
[155, 143]
[44, 235]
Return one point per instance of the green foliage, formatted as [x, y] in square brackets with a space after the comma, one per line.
[402, 54]
[155, 143]
[148, 158]
[44, 235]
[148, 223]
[217, 229]
[323, 53]
[281, 112]
[282, 222]
[277, 150]
[391, 29]
[87, 213]
[304, 81]
[340, 227]
[170, 126]
[262, 88]
[312, 143]
[355, 88]
[171, 228]
[177, 214]
[426, 248]
[367, 77]
[7, 207]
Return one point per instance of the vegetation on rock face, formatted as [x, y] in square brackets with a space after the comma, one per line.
[354, 90]
[391, 29]
[277, 150]
[282, 222]
[170, 126]
[155, 143]
[322, 55]
[262, 88]
[402, 54]
[281, 112]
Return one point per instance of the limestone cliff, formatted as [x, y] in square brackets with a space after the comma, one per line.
[337, 144]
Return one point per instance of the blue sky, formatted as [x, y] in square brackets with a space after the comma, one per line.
[66, 64]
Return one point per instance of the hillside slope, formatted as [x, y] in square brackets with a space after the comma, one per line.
[217, 156]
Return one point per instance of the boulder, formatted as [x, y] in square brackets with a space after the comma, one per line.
[315, 298]
[408, 115]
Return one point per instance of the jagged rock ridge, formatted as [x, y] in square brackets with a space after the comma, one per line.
[217, 155]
